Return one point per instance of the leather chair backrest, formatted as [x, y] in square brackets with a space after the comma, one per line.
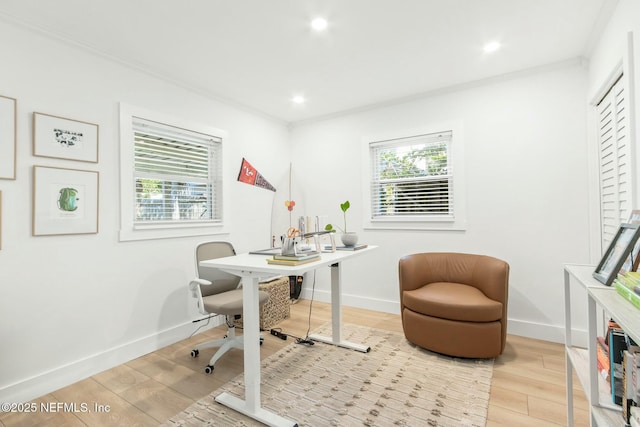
[490, 275]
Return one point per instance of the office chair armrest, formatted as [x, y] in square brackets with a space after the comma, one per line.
[194, 288]
[197, 281]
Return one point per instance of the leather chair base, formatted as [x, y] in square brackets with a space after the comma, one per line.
[451, 337]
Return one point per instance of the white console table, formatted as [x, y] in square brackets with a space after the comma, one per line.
[603, 411]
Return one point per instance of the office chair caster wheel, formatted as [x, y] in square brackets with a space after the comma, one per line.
[195, 353]
[261, 341]
[208, 369]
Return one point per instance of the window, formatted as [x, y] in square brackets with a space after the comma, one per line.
[616, 190]
[411, 181]
[175, 174]
[171, 183]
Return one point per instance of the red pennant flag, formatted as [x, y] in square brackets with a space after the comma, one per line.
[249, 175]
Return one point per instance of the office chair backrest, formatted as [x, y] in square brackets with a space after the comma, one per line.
[222, 281]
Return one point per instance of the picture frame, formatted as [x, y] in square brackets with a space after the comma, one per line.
[65, 201]
[617, 253]
[62, 138]
[634, 218]
[8, 139]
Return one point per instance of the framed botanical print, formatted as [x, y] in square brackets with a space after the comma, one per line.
[64, 138]
[65, 201]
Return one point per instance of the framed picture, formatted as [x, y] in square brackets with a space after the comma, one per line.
[617, 253]
[65, 201]
[7, 138]
[634, 218]
[64, 138]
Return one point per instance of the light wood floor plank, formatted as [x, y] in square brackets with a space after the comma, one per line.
[555, 412]
[509, 399]
[528, 387]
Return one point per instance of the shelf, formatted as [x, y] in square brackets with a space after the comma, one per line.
[584, 275]
[606, 417]
[579, 358]
[603, 411]
[624, 313]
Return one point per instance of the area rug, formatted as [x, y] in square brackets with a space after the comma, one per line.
[395, 384]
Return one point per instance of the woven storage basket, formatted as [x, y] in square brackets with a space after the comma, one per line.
[278, 307]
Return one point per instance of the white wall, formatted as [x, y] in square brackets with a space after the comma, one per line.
[71, 306]
[526, 188]
[74, 305]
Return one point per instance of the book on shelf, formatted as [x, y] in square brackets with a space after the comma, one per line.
[631, 365]
[617, 346]
[627, 293]
[602, 351]
[628, 392]
[630, 279]
[292, 262]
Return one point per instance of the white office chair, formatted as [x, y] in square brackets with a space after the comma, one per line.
[218, 292]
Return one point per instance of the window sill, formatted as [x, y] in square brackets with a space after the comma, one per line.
[158, 231]
[417, 225]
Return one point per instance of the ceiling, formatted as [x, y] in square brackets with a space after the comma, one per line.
[258, 54]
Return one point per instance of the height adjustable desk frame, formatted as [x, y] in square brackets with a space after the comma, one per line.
[251, 268]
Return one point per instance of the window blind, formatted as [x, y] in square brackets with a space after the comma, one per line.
[177, 173]
[615, 162]
[412, 176]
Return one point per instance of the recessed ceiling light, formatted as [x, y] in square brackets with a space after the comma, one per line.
[298, 99]
[319, 24]
[491, 47]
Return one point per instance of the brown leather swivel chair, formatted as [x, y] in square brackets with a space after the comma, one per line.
[454, 303]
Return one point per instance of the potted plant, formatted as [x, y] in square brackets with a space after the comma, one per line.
[349, 238]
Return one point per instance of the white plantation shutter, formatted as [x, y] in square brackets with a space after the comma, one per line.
[615, 162]
[412, 177]
[177, 174]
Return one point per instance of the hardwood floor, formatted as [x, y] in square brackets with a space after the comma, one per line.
[528, 387]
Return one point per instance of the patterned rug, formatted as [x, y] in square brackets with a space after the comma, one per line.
[395, 384]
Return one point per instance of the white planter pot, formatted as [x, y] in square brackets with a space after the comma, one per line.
[349, 238]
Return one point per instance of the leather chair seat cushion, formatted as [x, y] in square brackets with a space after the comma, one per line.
[452, 337]
[453, 301]
[229, 303]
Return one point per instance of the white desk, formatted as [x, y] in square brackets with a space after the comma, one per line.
[251, 268]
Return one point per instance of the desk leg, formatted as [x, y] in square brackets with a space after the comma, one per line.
[336, 315]
[251, 322]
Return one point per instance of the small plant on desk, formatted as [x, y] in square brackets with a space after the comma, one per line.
[349, 238]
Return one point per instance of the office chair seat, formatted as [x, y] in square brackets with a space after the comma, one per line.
[227, 303]
[218, 293]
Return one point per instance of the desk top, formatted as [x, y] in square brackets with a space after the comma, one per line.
[256, 265]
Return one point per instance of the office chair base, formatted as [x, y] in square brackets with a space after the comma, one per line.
[228, 342]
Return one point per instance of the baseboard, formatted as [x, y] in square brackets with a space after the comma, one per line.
[47, 382]
[551, 333]
[357, 301]
[516, 327]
